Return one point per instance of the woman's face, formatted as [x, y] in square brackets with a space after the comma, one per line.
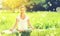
[23, 9]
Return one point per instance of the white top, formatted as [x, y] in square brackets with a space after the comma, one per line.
[22, 23]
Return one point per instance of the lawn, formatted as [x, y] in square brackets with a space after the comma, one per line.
[46, 23]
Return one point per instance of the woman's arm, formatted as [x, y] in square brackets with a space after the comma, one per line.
[29, 24]
[14, 25]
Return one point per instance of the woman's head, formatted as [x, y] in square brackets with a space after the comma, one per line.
[22, 9]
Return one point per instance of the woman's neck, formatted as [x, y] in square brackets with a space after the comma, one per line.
[22, 16]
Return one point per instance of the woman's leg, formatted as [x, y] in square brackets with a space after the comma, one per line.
[17, 34]
[25, 33]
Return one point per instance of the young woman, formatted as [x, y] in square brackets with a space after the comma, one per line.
[23, 22]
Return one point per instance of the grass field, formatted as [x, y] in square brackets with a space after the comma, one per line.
[46, 23]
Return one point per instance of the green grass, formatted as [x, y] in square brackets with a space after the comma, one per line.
[41, 19]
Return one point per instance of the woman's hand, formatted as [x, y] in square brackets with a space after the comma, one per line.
[21, 30]
[11, 29]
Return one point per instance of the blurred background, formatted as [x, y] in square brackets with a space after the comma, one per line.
[34, 5]
[44, 16]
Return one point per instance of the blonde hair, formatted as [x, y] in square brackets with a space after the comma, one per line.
[22, 8]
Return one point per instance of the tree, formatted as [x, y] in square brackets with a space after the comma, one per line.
[12, 4]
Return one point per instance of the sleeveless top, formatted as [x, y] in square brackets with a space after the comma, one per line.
[22, 23]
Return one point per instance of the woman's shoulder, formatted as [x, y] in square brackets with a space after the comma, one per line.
[27, 17]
